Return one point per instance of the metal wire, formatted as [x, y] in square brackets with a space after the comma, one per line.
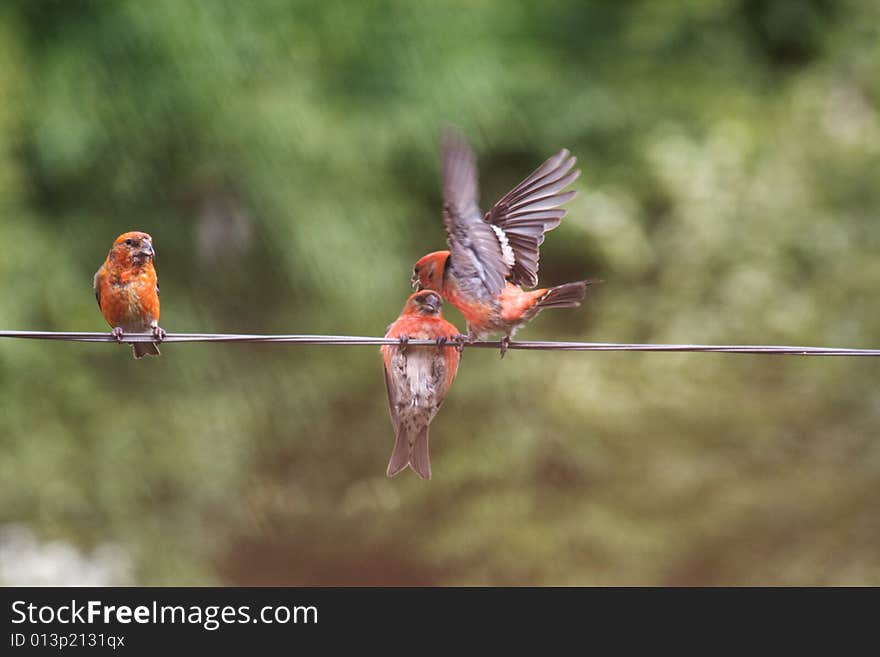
[360, 340]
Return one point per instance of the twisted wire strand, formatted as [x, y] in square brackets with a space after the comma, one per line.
[362, 340]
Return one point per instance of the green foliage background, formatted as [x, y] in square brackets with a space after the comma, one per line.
[284, 157]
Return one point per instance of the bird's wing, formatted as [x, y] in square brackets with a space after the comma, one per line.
[388, 359]
[96, 287]
[392, 399]
[476, 254]
[531, 209]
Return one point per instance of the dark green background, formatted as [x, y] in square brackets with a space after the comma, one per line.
[284, 157]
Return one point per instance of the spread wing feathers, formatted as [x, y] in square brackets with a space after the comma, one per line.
[476, 250]
[531, 209]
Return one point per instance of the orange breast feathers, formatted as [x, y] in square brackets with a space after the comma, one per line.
[128, 295]
[479, 315]
[425, 328]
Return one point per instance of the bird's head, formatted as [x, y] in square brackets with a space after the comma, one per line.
[135, 248]
[428, 271]
[424, 302]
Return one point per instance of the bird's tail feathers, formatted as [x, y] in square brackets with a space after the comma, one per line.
[567, 295]
[141, 349]
[412, 451]
[419, 459]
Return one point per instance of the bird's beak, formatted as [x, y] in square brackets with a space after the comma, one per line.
[414, 281]
[433, 303]
[147, 249]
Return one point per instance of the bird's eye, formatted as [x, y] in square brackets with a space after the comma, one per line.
[129, 242]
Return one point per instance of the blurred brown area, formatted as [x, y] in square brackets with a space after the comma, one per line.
[284, 157]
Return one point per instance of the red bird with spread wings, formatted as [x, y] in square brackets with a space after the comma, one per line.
[128, 291]
[417, 378]
[492, 257]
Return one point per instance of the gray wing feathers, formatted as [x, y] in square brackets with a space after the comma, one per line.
[460, 187]
[524, 215]
[531, 209]
[476, 253]
[392, 399]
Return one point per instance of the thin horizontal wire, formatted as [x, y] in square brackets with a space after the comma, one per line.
[360, 340]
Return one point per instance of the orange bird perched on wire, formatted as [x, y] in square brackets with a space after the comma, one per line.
[417, 378]
[492, 257]
[128, 291]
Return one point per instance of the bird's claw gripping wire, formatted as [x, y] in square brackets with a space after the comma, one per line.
[460, 341]
[403, 341]
[159, 333]
[505, 344]
[441, 342]
[117, 333]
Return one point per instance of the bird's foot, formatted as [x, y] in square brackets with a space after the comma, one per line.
[441, 342]
[117, 333]
[505, 344]
[460, 341]
[403, 341]
[159, 333]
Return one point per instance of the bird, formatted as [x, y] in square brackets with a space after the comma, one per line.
[127, 291]
[417, 378]
[493, 257]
